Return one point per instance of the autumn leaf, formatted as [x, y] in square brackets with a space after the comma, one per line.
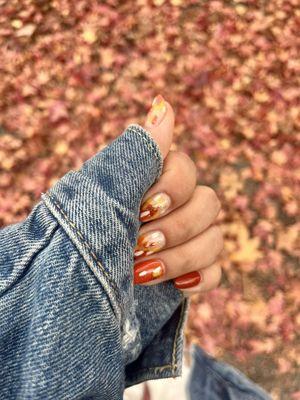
[89, 35]
[262, 346]
[247, 248]
[230, 183]
[26, 30]
[289, 239]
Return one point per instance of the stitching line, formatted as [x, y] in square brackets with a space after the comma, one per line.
[150, 145]
[148, 140]
[176, 337]
[85, 243]
[174, 365]
[143, 373]
[158, 369]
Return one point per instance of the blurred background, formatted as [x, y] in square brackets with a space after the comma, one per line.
[73, 74]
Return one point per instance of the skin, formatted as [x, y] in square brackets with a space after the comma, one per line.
[193, 241]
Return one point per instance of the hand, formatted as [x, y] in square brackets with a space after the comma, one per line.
[178, 219]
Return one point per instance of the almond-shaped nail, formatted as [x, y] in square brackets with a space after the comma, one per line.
[149, 243]
[155, 206]
[188, 281]
[147, 271]
[157, 112]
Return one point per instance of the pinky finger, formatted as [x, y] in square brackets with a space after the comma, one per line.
[199, 281]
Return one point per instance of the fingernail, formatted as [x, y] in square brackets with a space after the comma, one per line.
[154, 207]
[147, 271]
[156, 112]
[149, 243]
[188, 280]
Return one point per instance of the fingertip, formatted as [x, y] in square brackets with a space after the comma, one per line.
[162, 133]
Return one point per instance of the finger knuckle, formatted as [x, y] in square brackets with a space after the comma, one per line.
[183, 228]
[218, 275]
[199, 192]
[183, 157]
[212, 198]
[188, 259]
[185, 163]
[178, 225]
[217, 238]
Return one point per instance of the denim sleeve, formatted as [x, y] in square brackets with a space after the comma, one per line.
[72, 325]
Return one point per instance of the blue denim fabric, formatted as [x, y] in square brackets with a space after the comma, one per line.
[214, 380]
[72, 325]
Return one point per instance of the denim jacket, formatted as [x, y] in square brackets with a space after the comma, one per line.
[72, 324]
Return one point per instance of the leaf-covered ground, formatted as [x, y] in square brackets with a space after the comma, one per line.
[73, 74]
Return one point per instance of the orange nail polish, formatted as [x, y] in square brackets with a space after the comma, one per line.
[149, 243]
[157, 112]
[147, 271]
[187, 281]
[138, 252]
[154, 207]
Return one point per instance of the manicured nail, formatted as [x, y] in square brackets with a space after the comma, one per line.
[149, 243]
[156, 112]
[188, 280]
[154, 207]
[147, 271]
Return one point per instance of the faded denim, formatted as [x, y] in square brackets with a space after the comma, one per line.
[72, 325]
[211, 379]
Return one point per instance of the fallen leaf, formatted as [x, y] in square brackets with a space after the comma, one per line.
[26, 31]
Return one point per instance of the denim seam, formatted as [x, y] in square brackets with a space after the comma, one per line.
[174, 361]
[145, 374]
[84, 242]
[157, 370]
[174, 365]
[114, 298]
[226, 381]
[151, 144]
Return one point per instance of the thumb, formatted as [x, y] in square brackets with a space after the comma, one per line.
[117, 177]
[160, 124]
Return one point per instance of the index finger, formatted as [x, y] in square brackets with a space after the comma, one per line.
[174, 188]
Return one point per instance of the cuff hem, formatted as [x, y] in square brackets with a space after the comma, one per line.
[152, 145]
[171, 369]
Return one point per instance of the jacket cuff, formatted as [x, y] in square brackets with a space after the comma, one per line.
[162, 357]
